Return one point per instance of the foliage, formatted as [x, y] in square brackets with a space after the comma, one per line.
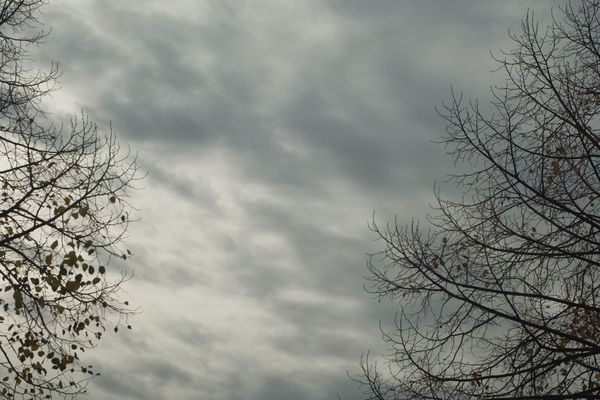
[500, 298]
[63, 213]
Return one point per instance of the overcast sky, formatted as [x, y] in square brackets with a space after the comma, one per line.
[271, 130]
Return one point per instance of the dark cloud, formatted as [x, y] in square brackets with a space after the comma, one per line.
[280, 387]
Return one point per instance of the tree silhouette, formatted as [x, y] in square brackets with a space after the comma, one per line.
[499, 298]
[63, 213]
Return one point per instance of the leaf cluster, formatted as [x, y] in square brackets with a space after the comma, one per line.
[63, 214]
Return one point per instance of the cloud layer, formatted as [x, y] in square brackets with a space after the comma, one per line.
[271, 131]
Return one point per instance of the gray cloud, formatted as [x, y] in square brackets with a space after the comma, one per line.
[271, 130]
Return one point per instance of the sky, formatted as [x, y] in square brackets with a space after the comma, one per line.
[271, 131]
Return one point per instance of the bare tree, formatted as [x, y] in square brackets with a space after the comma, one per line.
[499, 298]
[63, 213]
